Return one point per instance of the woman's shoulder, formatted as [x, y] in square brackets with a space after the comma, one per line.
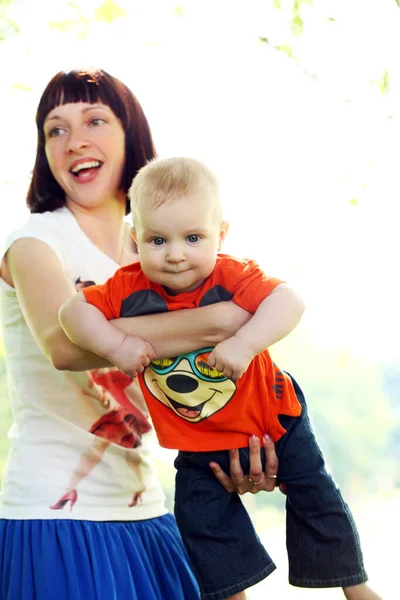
[43, 221]
[48, 225]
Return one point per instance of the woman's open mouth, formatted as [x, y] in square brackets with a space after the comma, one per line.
[86, 169]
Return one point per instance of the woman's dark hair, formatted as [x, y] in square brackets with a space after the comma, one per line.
[92, 86]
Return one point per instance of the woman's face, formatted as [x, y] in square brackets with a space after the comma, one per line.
[85, 149]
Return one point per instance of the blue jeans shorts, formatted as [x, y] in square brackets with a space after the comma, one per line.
[226, 554]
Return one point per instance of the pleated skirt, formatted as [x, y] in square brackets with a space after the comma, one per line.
[89, 560]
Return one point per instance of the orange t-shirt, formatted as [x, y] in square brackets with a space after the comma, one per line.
[194, 407]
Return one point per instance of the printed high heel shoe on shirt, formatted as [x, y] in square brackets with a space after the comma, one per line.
[137, 498]
[71, 497]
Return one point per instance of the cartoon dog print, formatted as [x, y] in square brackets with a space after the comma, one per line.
[188, 385]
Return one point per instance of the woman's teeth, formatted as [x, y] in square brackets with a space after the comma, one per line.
[90, 164]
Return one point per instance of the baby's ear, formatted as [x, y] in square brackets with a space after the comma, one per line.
[223, 233]
[133, 234]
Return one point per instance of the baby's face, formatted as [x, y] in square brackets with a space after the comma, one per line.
[178, 242]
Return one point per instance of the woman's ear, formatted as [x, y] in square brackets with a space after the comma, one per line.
[222, 234]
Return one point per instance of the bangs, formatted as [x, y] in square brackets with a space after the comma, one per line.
[78, 86]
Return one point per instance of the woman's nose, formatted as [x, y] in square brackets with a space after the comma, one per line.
[76, 140]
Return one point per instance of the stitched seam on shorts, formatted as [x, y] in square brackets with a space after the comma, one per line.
[325, 583]
[238, 587]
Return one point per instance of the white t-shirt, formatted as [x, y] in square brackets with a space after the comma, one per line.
[89, 431]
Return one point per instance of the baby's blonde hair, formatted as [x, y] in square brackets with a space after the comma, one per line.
[167, 179]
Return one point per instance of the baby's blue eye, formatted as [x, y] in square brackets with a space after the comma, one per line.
[158, 241]
[193, 238]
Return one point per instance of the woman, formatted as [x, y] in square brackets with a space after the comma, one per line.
[82, 513]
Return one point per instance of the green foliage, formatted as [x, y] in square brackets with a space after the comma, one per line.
[382, 83]
[292, 17]
[384, 86]
[80, 24]
[7, 25]
[22, 88]
[297, 21]
[286, 48]
[77, 24]
[109, 11]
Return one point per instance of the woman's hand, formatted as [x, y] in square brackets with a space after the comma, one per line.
[257, 480]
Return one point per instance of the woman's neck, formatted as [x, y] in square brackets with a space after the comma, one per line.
[107, 229]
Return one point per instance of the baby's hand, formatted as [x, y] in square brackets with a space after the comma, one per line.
[133, 355]
[231, 358]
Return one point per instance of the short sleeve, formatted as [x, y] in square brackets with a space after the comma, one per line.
[108, 297]
[248, 282]
[40, 227]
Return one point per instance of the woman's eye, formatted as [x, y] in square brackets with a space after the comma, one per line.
[193, 238]
[97, 121]
[159, 241]
[55, 132]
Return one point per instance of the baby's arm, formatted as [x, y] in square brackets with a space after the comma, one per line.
[87, 327]
[274, 319]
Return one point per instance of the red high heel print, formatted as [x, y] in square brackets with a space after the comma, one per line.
[137, 498]
[71, 497]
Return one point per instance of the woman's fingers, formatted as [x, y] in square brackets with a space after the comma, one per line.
[235, 467]
[262, 480]
[258, 479]
[271, 463]
[283, 488]
[223, 478]
[256, 470]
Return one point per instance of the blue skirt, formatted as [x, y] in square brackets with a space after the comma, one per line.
[90, 560]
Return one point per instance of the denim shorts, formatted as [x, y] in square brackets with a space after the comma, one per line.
[226, 554]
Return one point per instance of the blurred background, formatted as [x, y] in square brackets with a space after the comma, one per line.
[296, 105]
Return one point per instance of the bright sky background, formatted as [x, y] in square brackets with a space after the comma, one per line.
[293, 143]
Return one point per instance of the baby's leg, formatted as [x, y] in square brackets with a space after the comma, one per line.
[226, 554]
[360, 592]
[322, 539]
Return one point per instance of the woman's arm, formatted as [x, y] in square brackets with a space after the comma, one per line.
[181, 331]
[42, 288]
